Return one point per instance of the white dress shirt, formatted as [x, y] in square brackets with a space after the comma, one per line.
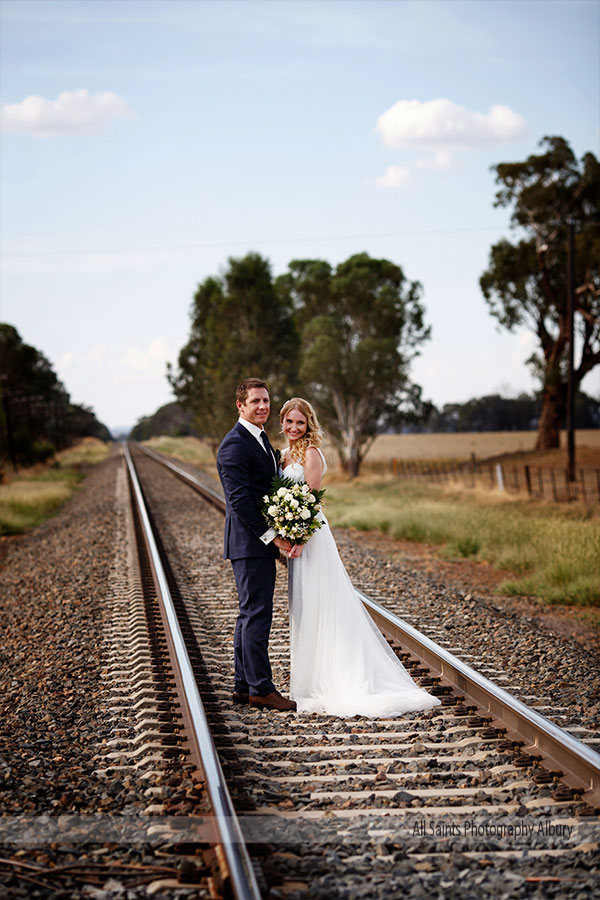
[256, 431]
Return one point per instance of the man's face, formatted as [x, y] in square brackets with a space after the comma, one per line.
[256, 407]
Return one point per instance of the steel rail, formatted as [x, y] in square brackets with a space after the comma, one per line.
[211, 495]
[579, 762]
[243, 878]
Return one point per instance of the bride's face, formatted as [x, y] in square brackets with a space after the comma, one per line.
[294, 425]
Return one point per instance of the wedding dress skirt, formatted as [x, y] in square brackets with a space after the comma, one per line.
[340, 662]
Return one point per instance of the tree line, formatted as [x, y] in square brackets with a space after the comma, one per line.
[492, 412]
[37, 417]
[496, 413]
[345, 336]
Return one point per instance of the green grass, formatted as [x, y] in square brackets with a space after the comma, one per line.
[33, 495]
[548, 551]
[187, 449]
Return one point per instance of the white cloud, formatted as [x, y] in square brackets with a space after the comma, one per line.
[149, 361]
[441, 160]
[72, 113]
[394, 176]
[433, 123]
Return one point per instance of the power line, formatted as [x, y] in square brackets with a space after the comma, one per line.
[246, 242]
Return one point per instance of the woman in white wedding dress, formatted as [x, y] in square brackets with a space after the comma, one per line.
[340, 662]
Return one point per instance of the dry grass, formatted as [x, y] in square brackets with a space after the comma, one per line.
[30, 496]
[87, 452]
[187, 449]
[460, 446]
[550, 552]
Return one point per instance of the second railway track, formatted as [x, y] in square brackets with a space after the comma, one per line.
[444, 803]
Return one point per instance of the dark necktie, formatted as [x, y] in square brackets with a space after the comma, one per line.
[267, 447]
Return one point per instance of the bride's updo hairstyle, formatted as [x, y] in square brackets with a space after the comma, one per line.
[313, 436]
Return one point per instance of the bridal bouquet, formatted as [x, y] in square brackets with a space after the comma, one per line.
[292, 509]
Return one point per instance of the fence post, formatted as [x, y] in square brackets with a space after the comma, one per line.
[582, 479]
[541, 483]
[567, 487]
[553, 480]
[500, 479]
[528, 480]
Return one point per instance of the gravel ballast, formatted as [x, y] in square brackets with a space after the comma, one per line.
[59, 587]
[58, 797]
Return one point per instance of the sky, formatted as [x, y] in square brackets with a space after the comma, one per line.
[144, 142]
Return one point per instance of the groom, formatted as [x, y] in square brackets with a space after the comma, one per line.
[247, 465]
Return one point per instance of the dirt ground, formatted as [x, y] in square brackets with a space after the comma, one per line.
[479, 578]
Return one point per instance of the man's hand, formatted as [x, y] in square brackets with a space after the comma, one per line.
[295, 552]
[282, 544]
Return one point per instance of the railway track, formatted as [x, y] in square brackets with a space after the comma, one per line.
[480, 793]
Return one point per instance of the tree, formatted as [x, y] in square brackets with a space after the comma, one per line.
[361, 325]
[36, 414]
[526, 283]
[171, 419]
[241, 326]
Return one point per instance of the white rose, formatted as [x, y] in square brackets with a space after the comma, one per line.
[272, 510]
[294, 504]
[288, 498]
[289, 516]
[311, 498]
[305, 514]
[282, 492]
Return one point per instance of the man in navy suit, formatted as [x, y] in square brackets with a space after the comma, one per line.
[247, 465]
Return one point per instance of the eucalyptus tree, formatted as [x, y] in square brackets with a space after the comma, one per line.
[361, 324]
[240, 326]
[526, 283]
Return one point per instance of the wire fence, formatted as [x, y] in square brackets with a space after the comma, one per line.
[540, 483]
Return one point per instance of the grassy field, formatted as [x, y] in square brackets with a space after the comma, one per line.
[187, 449]
[30, 496]
[461, 446]
[550, 551]
[547, 550]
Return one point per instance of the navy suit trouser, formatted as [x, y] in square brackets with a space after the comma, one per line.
[255, 580]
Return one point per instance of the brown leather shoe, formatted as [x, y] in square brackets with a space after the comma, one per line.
[274, 700]
[239, 697]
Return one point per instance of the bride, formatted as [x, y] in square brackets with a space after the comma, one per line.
[340, 662]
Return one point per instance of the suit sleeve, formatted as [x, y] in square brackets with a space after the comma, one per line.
[234, 471]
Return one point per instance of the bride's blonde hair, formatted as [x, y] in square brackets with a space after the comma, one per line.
[313, 436]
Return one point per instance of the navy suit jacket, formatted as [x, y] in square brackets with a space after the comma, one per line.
[246, 472]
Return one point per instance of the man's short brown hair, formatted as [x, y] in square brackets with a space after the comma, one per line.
[245, 386]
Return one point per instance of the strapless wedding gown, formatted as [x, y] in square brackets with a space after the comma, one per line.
[340, 662]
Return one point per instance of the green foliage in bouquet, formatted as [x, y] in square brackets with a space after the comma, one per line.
[292, 509]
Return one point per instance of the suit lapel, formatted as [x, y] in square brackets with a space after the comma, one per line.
[253, 443]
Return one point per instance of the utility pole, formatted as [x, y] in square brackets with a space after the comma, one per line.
[571, 332]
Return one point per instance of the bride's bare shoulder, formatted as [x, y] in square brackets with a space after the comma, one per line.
[314, 458]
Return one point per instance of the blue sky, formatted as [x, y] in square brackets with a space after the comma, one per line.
[168, 136]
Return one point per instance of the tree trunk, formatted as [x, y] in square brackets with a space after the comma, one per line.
[353, 466]
[349, 454]
[553, 404]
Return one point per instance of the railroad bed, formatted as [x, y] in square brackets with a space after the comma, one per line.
[332, 807]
